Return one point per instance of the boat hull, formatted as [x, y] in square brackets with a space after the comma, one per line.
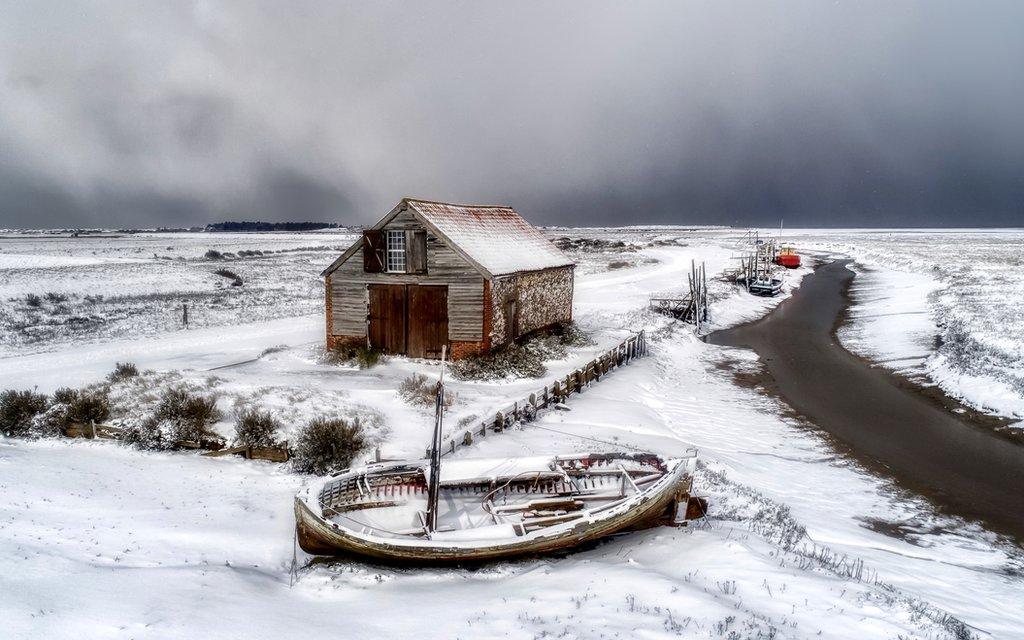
[789, 261]
[318, 536]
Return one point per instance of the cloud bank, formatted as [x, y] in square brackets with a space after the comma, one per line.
[831, 114]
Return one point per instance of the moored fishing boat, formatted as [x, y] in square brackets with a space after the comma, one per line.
[765, 286]
[787, 258]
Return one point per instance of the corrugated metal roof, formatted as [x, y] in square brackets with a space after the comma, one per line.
[497, 238]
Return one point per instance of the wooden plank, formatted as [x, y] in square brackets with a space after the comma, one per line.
[387, 318]
[427, 321]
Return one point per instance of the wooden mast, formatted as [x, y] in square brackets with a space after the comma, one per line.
[434, 487]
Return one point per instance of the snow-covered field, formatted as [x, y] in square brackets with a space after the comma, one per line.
[121, 286]
[103, 541]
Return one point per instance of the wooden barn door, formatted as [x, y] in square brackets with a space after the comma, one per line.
[387, 317]
[428, 320]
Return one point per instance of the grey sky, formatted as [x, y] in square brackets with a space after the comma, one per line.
[826, 113]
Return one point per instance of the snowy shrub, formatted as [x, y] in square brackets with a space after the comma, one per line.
[55, 298]
[180, 416]
[123, 371]
[33, 300]
[619, 264]
[256, 428]
[367, 357]
[522, 359]
[213, 254]
[230, 275]
[362, 357]
[420, 390]
[17, 409]
[328, 444]
[89, 406]
[70, 407]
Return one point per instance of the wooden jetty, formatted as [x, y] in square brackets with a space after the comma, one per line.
[692, 307]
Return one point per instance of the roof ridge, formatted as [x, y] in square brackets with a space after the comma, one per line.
[455, 204]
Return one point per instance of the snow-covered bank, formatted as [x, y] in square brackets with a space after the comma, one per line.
[955, 295]
[890, 319]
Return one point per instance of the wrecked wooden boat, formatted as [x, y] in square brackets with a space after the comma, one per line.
[489, 509]
[473, 510]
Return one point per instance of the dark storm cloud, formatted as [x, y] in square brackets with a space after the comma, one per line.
[825, 114]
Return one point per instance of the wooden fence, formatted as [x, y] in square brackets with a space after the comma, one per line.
[553, 393]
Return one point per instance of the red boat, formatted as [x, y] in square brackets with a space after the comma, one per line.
[787, 258]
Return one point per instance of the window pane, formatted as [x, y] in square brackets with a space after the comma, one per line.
[396, 251]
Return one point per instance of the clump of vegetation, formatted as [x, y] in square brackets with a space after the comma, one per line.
[180, 417]
[213, 254]
[368, 357]
[236, 280]
[55, 298]
[326, 445]
[33, 300]
[619, 264]
[420, 390]
[256, 428]
[18, 409]
[523, 359]
[362, 356]
[70, 407]
[123, 371]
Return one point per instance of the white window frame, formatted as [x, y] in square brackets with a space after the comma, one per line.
[396, 257]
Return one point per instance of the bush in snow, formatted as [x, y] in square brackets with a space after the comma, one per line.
[72, 406]
[33, 300]
[362, 357]
[256, 428]
[17, 409]
[367, 357]
[213, 254]
[180, 416]
[328, 444]
[418, 389]
[123, 371]
[523, 359]
[230, 275]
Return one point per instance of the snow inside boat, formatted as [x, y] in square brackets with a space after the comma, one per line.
[490, 508]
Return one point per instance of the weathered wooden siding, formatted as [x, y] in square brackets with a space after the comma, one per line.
[444, 267]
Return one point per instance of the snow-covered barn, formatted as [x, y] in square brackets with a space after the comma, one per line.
[430, 274]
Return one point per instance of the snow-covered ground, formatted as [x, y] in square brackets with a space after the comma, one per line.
[122, 286]
[99, 540]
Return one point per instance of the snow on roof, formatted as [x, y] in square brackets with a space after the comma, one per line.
[496, 238]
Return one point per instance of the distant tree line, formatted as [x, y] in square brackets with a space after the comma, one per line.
[270, 226]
